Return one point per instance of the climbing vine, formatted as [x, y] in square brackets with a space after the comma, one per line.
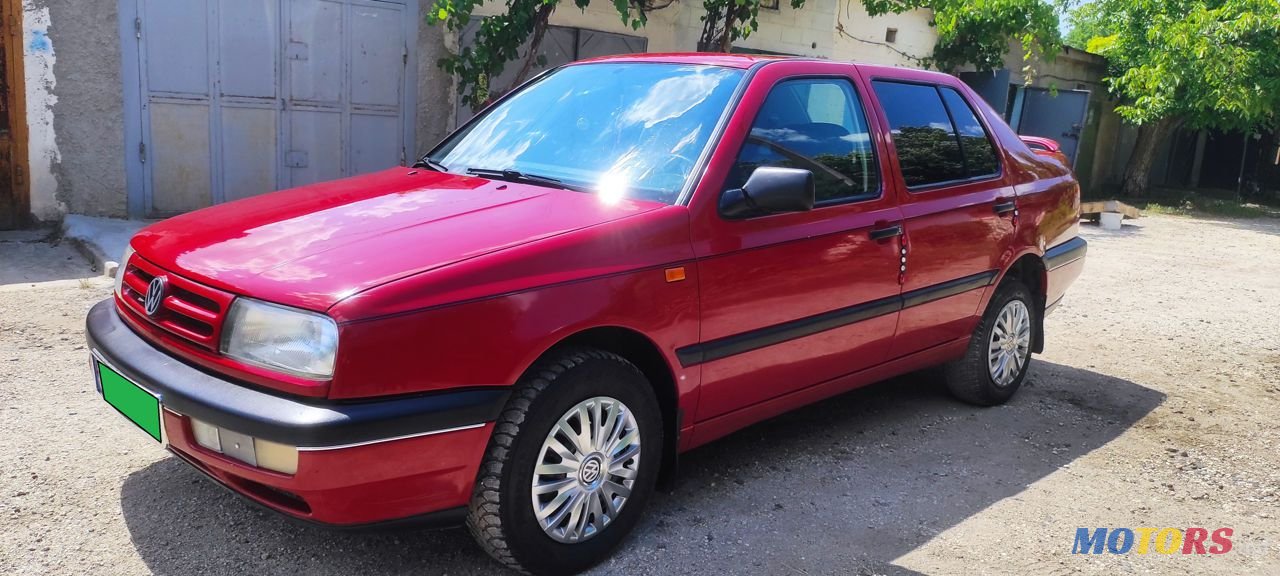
[729, 20]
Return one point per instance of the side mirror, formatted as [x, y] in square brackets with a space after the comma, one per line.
[770, 190]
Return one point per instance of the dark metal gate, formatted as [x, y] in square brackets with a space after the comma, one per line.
[1058, 115]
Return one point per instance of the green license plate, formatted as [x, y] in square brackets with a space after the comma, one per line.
[138, 405]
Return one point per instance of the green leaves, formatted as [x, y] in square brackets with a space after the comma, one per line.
[1212, 63]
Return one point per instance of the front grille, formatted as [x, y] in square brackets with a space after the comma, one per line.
[190, 311]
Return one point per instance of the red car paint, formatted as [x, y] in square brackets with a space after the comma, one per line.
[1046, 147]
[444, 282]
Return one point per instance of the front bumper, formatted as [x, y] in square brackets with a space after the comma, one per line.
[358, 462]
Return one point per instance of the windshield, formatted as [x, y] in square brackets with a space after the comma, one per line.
[622, 130]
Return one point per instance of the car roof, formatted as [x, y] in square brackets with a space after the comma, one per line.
[744, 61]
[704, 58]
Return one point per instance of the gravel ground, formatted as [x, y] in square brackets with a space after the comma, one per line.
[1155, 405]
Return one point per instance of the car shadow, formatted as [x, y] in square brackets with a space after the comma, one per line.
[845, 486]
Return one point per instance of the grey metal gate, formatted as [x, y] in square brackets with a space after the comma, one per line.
[1059, 116]
[240, 97]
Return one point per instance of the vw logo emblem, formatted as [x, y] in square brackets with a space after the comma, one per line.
[590, 470]
[155, 294]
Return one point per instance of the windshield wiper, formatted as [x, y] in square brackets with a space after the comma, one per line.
[525, 177]
[428, 163]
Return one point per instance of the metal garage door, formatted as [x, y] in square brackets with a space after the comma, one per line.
[1056, 114]
[241, 97]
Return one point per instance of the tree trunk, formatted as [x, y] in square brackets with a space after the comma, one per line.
[709, 26]
[1136, 173]
[535, 43]
[726, 41]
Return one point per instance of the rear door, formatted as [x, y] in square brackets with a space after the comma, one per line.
[957, 209]
[791, 300]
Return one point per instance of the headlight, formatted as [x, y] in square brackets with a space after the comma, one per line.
[289, 340]
[124, 263]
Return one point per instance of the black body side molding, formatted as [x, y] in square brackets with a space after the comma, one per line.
[769, 335]
[1065, 253]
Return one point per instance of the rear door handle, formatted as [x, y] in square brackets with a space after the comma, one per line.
[886, 232]
[1005, 207]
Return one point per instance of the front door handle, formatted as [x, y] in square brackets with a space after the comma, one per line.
[886, 232]
[1003, 208]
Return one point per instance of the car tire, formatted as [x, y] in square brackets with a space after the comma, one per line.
[980, 377]
[548, 398]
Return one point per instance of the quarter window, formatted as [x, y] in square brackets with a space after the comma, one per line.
[818, 125]
[979, 154]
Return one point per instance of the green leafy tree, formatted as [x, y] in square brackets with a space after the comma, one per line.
[1202, 63]
[1087, 22]
[969, 32]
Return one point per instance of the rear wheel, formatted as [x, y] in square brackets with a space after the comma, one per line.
[999, 354]
[571, 465]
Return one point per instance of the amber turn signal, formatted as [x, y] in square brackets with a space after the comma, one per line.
[675, 274]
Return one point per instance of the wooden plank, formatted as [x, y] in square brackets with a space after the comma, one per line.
[1093, 208]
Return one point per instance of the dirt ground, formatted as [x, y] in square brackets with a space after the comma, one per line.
[1155, 404]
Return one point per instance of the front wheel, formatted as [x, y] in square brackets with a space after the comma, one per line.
[571, 465]
[999, 354]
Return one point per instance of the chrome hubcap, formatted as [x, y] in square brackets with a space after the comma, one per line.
[1010, 343]
[586, 469]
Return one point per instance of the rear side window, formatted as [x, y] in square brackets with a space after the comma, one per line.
[816, 124]
[931, 150]
[979, 154]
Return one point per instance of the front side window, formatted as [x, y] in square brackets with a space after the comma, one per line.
[622, 130]
[928, 151]
[817, 125]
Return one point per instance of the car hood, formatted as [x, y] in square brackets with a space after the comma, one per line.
[311, 247]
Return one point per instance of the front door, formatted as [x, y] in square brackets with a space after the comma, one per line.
[792, 300]
[957, 209]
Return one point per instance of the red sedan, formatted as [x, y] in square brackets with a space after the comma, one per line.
[622, 260]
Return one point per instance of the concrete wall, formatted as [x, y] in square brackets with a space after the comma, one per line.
[861, 38]
[38, 61]
[436, 97]
[74, 107]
